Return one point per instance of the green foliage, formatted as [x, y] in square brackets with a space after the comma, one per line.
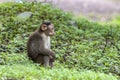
[22, 72]
[90, 45]
[18, 67]
[80, 45]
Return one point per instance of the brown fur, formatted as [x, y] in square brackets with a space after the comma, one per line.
[38, 46]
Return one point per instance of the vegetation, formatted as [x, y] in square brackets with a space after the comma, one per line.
[85, 50]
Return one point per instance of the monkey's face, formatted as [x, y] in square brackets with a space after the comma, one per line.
[48, 29]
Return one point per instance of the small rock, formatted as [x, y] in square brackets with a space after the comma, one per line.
[24, 16]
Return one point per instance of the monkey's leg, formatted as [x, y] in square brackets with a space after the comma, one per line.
[51, 62]
[46, 61]
[40, 59]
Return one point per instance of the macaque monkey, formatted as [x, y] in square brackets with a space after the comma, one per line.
[38, 46]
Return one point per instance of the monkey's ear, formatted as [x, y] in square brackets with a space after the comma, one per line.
[43, 27]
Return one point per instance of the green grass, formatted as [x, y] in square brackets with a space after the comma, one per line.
[30, 72]
[18, 67]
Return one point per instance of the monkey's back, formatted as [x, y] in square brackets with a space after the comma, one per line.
[33, 45]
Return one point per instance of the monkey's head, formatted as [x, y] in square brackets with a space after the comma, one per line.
[47, 28]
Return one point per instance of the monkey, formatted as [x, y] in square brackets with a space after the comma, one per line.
[38, 45]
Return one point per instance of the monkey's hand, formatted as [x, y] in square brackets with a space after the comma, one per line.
[52, 56]
[47, 52]
[52, 59]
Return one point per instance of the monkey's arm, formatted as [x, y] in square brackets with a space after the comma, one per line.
[46, 52]
[37, 44]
